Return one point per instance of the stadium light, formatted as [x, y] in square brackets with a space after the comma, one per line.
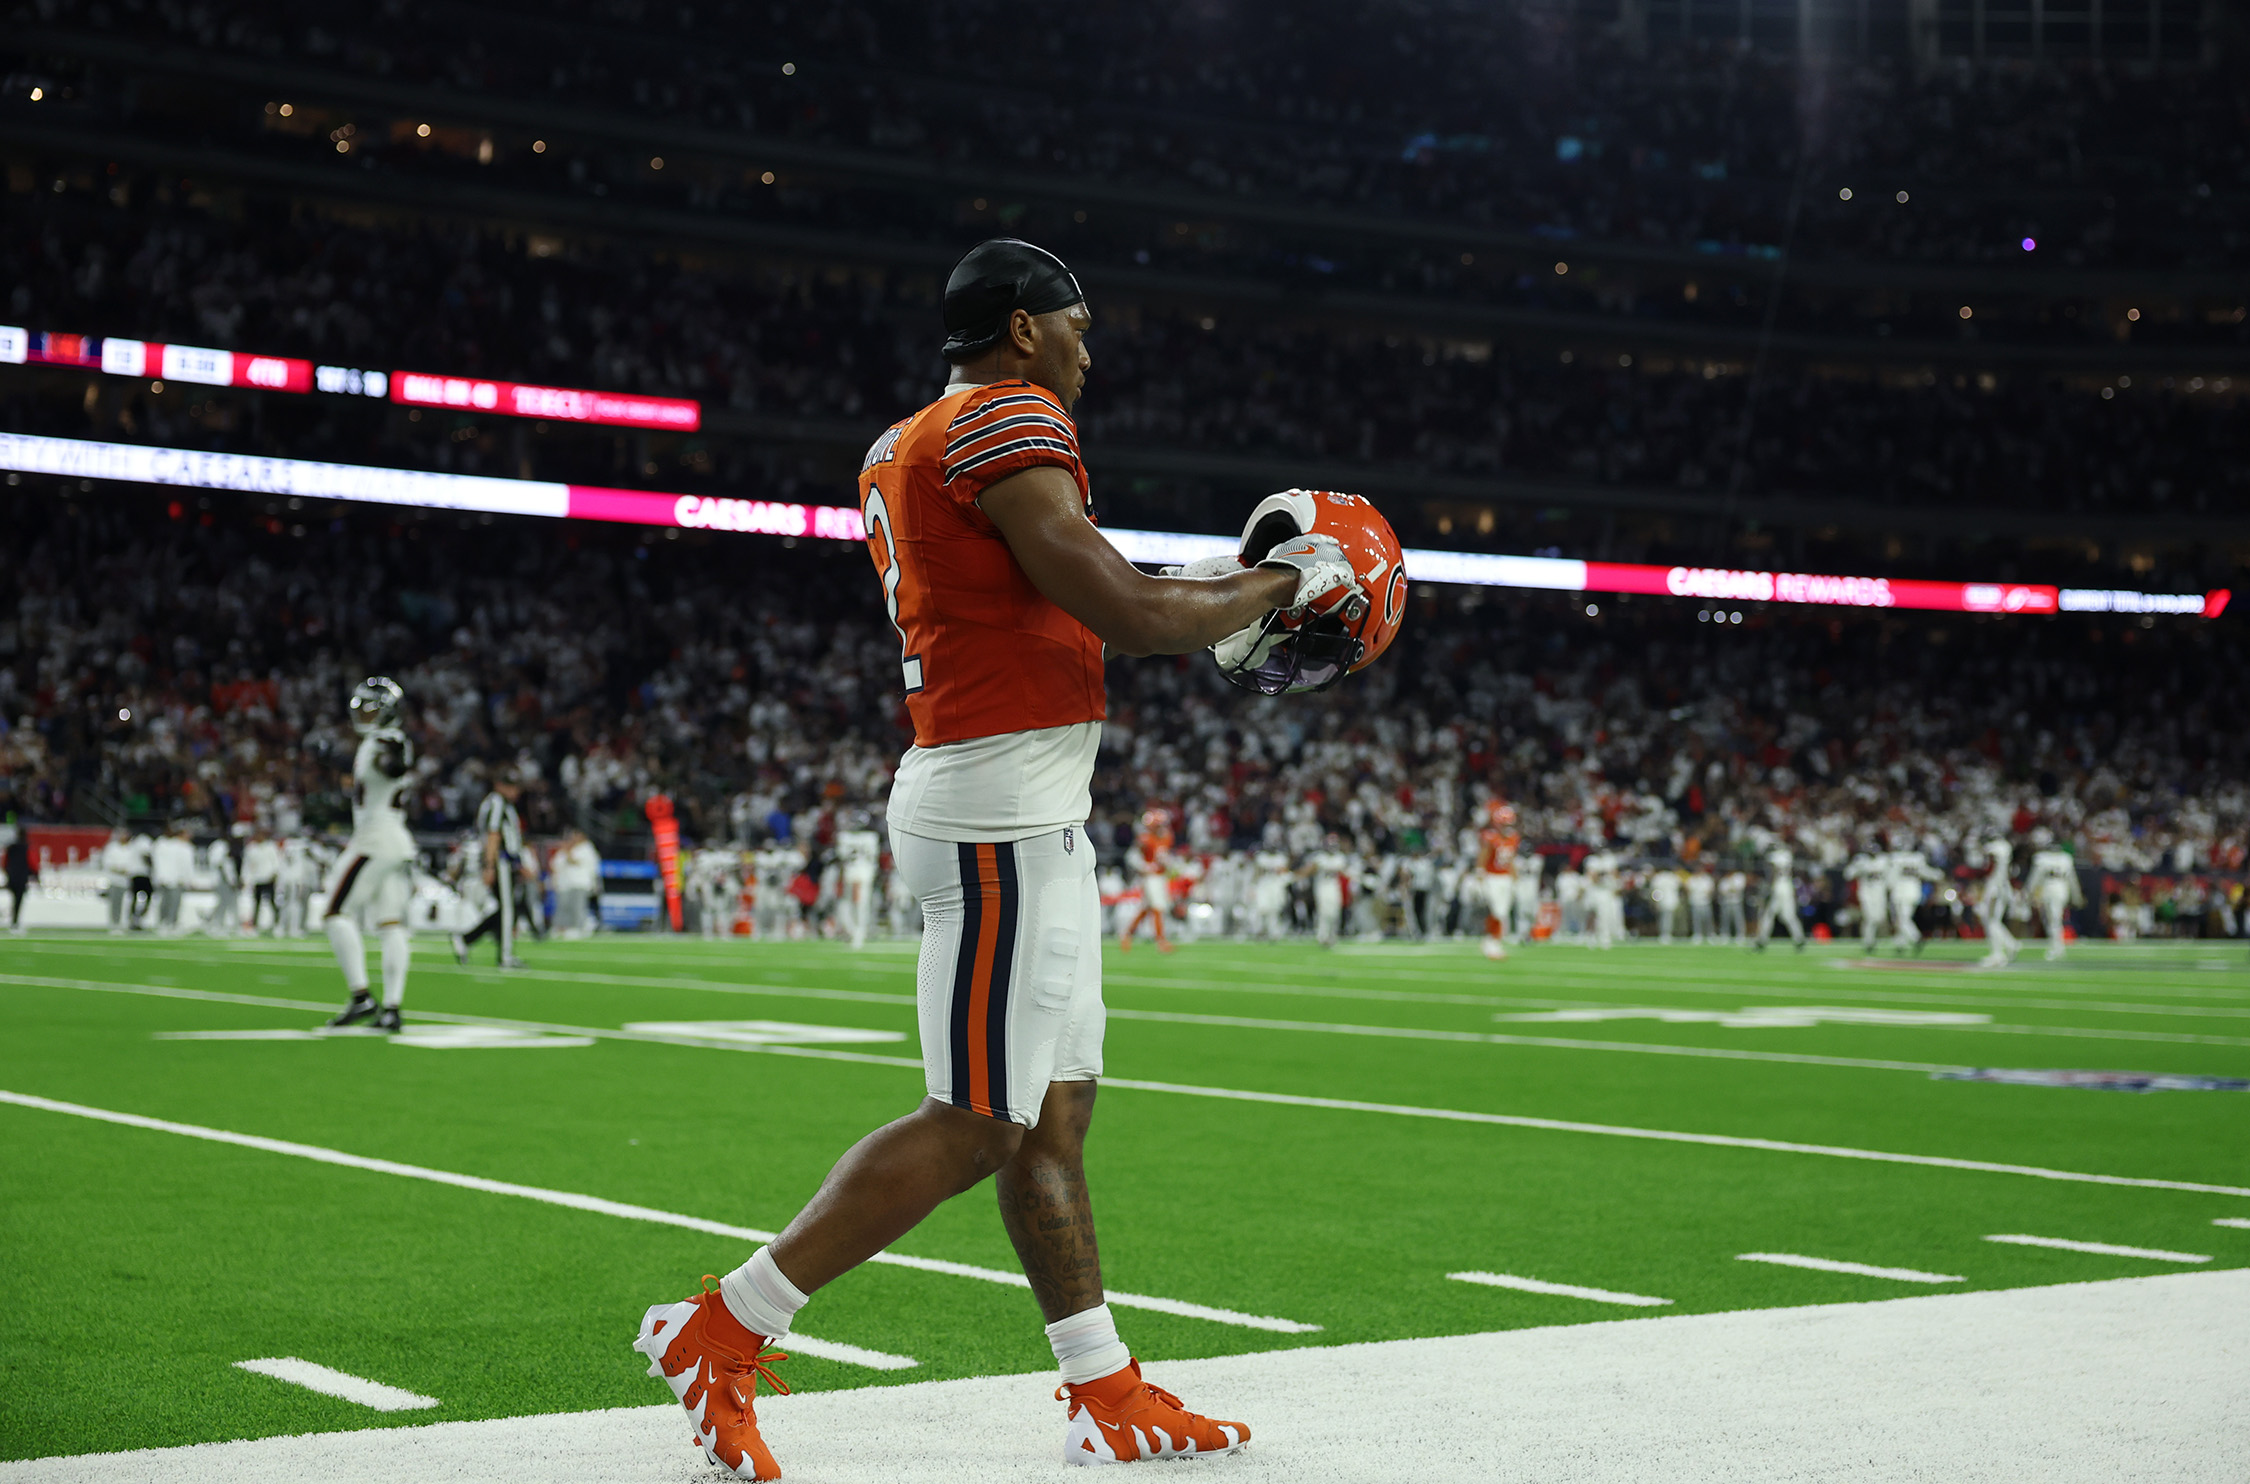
[139, 463]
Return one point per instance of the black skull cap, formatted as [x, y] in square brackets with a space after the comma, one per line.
[997, 278]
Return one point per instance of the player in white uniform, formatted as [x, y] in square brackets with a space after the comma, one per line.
[225, 916]
[718, 889]
[577, 871]
[1570, 899]
[1529, 867]
[1908, 872]
[301, 861]
[2053, 884]
[1781, 898]
[171, 865]
[860, 850]
[1734, 889]
[1701, 886]
[1866, 872]
[900, 911]
[1605, 900]
[1664, 896]
[1994, 904]
[1269, 895]
[1327, 869]
[376, 876]
[770, 907]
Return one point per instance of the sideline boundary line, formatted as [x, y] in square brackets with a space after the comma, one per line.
[600, 1206]
[1280, 1099]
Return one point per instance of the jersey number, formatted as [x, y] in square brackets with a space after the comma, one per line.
[882, 542]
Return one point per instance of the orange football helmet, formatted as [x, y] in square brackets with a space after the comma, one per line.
[1305, 652]
[1502, 814]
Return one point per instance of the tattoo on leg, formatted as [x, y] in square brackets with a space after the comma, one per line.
[1044, 1205]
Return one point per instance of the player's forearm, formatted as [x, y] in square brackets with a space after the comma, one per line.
[1180, 615]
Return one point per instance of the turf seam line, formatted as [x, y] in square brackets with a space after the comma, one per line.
[601, 1206]
[2099, 1249]
[1856, 1269]
[1668, 1136]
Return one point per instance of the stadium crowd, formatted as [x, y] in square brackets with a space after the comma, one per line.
[1690, 144]
[780, 342]
[160, 666]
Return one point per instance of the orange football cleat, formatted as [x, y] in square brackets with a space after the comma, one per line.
[713, 1365]
[1122, 1419]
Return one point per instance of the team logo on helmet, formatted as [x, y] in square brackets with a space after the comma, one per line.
[1286, 653]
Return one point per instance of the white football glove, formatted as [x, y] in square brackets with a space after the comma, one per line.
[1202, 569]
[1247, 647]
[1325, 581]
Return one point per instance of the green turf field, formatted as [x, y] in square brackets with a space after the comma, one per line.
[141, 1264]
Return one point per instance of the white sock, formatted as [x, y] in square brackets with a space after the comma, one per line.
[398, 951]
[1086, 1346]
[760, 1297]
[351, 953]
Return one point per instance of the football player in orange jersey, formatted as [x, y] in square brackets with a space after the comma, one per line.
[1152, 848]
[1496, 860]
[1004, 597]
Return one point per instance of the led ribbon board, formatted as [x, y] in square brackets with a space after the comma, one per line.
[559, 404]
[206, 367]
[136, 463]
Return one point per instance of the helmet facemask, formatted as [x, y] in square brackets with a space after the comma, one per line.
[1277, 657]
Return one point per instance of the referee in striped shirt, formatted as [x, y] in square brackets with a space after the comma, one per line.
[505, 870]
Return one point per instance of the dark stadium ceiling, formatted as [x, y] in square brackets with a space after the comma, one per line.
[555, 120]
[585, 215]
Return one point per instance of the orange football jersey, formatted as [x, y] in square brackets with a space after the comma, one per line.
[983, 651]
[1498, 855]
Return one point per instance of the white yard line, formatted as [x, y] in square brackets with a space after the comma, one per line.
[1658, 1048]
[571, 976]
[1552, 1043]
[837, 1350]
[599, 1206]
[2087, 1033]
[338, 1384]
[1560, 1290]
[1299, 1100]
[599, 1033]
[1669, 984]
[1620, 1131]
[2102, 1249]
[1856, 1269]
[2240, 1223]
